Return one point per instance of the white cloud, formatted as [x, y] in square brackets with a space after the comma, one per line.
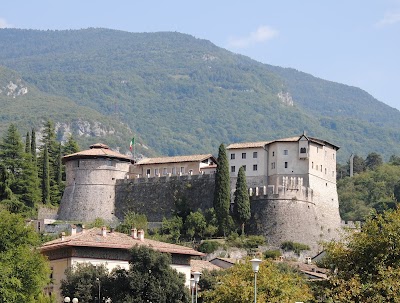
[389, 19]
[262, 34]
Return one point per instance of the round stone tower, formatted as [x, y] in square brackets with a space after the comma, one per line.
[90, 186]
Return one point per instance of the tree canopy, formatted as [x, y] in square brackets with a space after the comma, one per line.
[366, 264]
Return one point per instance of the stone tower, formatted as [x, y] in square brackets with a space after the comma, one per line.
[90, 185]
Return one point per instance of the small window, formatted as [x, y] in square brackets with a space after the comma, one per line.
[273, 154]
[148, 171]
[333, 173]
[285, 152]
[243, 155]
[232, 156]
[325, 171]
[286, 165]
[333, 156]
[156, 171]
[255, 155]
[174, 171]
[255, 167]
[321, 168]
[273, 165]
[312, 164]
[165, 171]
[182, 170]
[316, 167]
[244, 167]
[317, 149]
[303, 150]
[233, 169]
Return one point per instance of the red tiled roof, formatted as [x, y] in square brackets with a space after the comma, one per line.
[97, 150]
[94, 238]
[176, 159]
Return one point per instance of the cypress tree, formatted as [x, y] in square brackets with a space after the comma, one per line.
[33, 145]
[222, 194]
[241, 208]
[45, 177]
[27, 143]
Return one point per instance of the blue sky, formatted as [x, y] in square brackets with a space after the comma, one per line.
[355, 42]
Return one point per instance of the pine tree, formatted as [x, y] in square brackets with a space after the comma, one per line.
[241, 208]
[45, 177]
[222, 194]
[71, 146]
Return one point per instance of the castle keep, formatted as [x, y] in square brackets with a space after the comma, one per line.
[292, 184]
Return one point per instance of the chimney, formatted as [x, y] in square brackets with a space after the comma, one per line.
[141, 234]
[103, 231]
[62, 236]
[134, 233]
[73, 230]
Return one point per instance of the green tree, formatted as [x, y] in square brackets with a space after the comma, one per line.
[27, 143]
[366, 265]
[195, 224]
[222, 194]
[45, 177]
[23, 270]
[373, 160]
[241, 208]
[71, 146]
[274, 284]
[33, 145]
[82, 281]
[173, 228]
[132, 220]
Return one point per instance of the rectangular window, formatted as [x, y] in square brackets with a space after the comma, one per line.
[233, 169]
[273, 154]
[273, 165]
[155, 171]
[244, 167]
[255, 167]
[285, 152]
[165, 170]
[182, 170]
[286, 164]
[243, 155]
[312, 164]
[232, 156]
[325, 171]
[174, 170]
[255, 155]
[148, 172]
[316, 167]
[321, 168]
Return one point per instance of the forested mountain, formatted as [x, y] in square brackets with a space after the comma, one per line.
[178, 94]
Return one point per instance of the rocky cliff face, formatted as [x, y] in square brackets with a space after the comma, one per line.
[14, 88]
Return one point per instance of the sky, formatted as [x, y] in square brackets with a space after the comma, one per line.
[354, 42]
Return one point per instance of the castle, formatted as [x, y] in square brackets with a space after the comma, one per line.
[292, 182]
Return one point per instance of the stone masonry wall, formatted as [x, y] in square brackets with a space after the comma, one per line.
[156, 197]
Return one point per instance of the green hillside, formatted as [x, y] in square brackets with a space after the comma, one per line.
[185, 95]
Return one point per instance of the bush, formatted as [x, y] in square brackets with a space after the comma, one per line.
[208, 247]
[272, 254]
[294, 246]
[253, 241]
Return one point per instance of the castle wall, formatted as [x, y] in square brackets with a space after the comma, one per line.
[156, 197]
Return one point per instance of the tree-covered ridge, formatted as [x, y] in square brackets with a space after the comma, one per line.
[184, 95]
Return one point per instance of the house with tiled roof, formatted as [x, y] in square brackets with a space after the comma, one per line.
[100, 246]
[174, 166]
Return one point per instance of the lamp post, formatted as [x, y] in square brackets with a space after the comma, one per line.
[98, 280]
[68, 299]
[196, 277]
[192, 284]
[255, 263]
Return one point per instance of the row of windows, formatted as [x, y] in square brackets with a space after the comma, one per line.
[165, 171]
[244, 155]
[233, 168]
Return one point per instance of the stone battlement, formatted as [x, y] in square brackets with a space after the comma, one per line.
[167, 178]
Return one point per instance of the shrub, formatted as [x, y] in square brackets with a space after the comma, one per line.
[272, 254]
[208, 246]
[294, 246]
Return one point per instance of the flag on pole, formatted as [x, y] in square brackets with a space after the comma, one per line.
[132, 143]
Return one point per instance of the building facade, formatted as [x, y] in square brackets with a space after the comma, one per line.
[99, 246]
